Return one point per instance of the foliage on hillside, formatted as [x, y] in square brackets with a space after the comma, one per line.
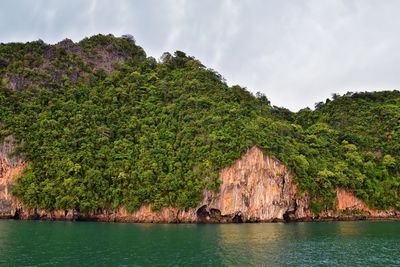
[366, 127]
[98, 136]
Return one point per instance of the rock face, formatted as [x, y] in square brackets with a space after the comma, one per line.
[103, 56]
[256, 188]
[347, 202]
[10, 167]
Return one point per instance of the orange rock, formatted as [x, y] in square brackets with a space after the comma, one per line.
[10, 168]
[255, 188]
[347, 201]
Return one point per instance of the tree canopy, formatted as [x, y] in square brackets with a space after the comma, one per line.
[139, 131]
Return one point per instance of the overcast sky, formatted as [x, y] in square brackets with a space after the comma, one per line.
[296, 52]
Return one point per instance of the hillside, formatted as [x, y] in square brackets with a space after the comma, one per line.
[101, 126]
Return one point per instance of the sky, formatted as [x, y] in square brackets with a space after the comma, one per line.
[295, 52]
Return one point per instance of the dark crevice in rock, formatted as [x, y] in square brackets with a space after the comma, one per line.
[287, 216]
[35, 215]
[17, 214]
[205, 215]
[215, 213]
[290, 214]
[237, 219]
[202, 214]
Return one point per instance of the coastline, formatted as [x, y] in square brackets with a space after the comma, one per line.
[256, 188]
[226, 220]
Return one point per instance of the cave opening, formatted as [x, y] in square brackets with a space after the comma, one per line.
[286, 216]
[289, 216]
[202, 213]
[17, 214]
[215, 213]
[237, 218]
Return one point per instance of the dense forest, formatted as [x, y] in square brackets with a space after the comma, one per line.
[102, 125]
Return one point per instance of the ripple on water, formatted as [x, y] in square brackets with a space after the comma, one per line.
[35, 243]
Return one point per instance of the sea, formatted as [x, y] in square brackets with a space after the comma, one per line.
[44, 243]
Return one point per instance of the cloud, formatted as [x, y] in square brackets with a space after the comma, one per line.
[296, 52]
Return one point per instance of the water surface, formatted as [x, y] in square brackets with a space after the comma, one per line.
[37, 243]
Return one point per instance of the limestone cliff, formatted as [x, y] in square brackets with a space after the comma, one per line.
[10, 168]
[256, 188]
[348, 203]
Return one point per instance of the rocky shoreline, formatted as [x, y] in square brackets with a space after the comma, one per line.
[222, 220]
[256, 188]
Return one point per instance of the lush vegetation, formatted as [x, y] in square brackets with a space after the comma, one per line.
[142, 131]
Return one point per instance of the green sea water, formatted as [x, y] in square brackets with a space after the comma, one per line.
[38, 243]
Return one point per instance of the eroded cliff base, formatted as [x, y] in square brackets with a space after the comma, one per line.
[169, 216]
[256, 188]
